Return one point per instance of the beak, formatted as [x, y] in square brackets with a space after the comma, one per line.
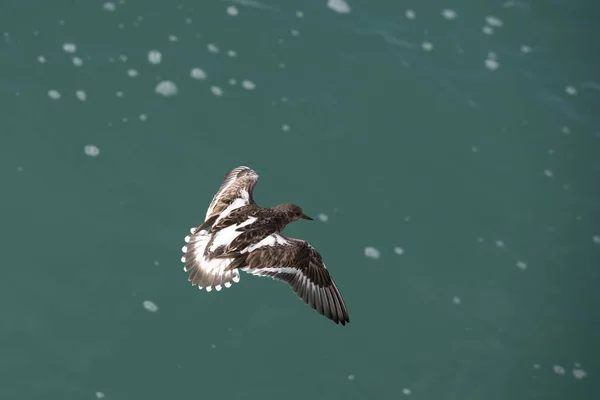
[304, 216]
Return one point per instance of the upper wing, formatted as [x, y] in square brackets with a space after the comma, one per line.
[235, 192]
[299, 265]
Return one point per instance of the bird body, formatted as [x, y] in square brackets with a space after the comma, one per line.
[239, 235]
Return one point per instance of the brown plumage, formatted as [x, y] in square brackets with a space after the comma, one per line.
[244, 236]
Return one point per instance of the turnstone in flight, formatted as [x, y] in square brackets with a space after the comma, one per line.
[238, 235]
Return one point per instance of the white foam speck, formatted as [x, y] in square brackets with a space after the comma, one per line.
[156, 263]
[323, 217]
[536, 366]
[299, 14]
[69, 47]
[99, 395]
[198, 73]
[596, 239]
[558, 370]
[491, 64]
[78, 62]
[143, 117]
[449, 14]
[522, 265]
[406, 391]
[351, 377]
[53, 94]
[548, 173]
[525, 49]
[91, 150]
[41, 59]
[173, 38]
[150, 306]
[132, 73]
[571, 90]
[488, 30]
[80, 94]
[120, 94]
[398, 250]
[154, 57]
[231, 53]
[339, 6]
[285, 127]
[410, 14]
[566, 130]
[213, 346]
[232, 82]
[474, 149]
[579, 373]
[500, 243]
[233, 11]
[217, 91]
[493, 21]
[294, 32]
[212, 48]
[249, 85]
[427, 46]
[109, 6]
[372, 252]
[166, 88]
[456, 300]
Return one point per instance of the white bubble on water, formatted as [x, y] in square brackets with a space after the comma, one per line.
[54, 94]
[166, 88]
[579, 373]
[248, 85]
[456, 300]
[233, 11]
[173, 38]
[323, 217]
[212, 48]
[410, 14]
[41, 59]
[109, 6]
[449, 14]
[536, 366]
[217, 91]
[91, 150]
[339, 6]
[500, 243]
[197, 73]
[156, 263]
[570, 90]
[565, 129]
[525, 49]
[232, 82]
[522, 265]
[80, 94]
[99, 395]
[213, 346]
[351, 377]
[548, 173]
[132, 72]
[372, 252]
[559, 370]
[493, 21]
[596, 239]
[120, 94]
[406, 391]
[143, 117]
[150, 306]
[69, 47]
[78, 62]
[491, 64]
[294, 32]
[154, 57]
[231, 53]
[285, 127]
[299, 14]
[427, 46]
[488, 30]
[398, 250]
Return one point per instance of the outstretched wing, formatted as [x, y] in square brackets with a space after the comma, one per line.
[235, 192]
[299, 265]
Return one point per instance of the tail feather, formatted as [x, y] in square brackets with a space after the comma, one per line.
[206, 273]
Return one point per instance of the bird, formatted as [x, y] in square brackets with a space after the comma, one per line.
[238, 235]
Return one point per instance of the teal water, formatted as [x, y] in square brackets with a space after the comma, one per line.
[449, 153]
